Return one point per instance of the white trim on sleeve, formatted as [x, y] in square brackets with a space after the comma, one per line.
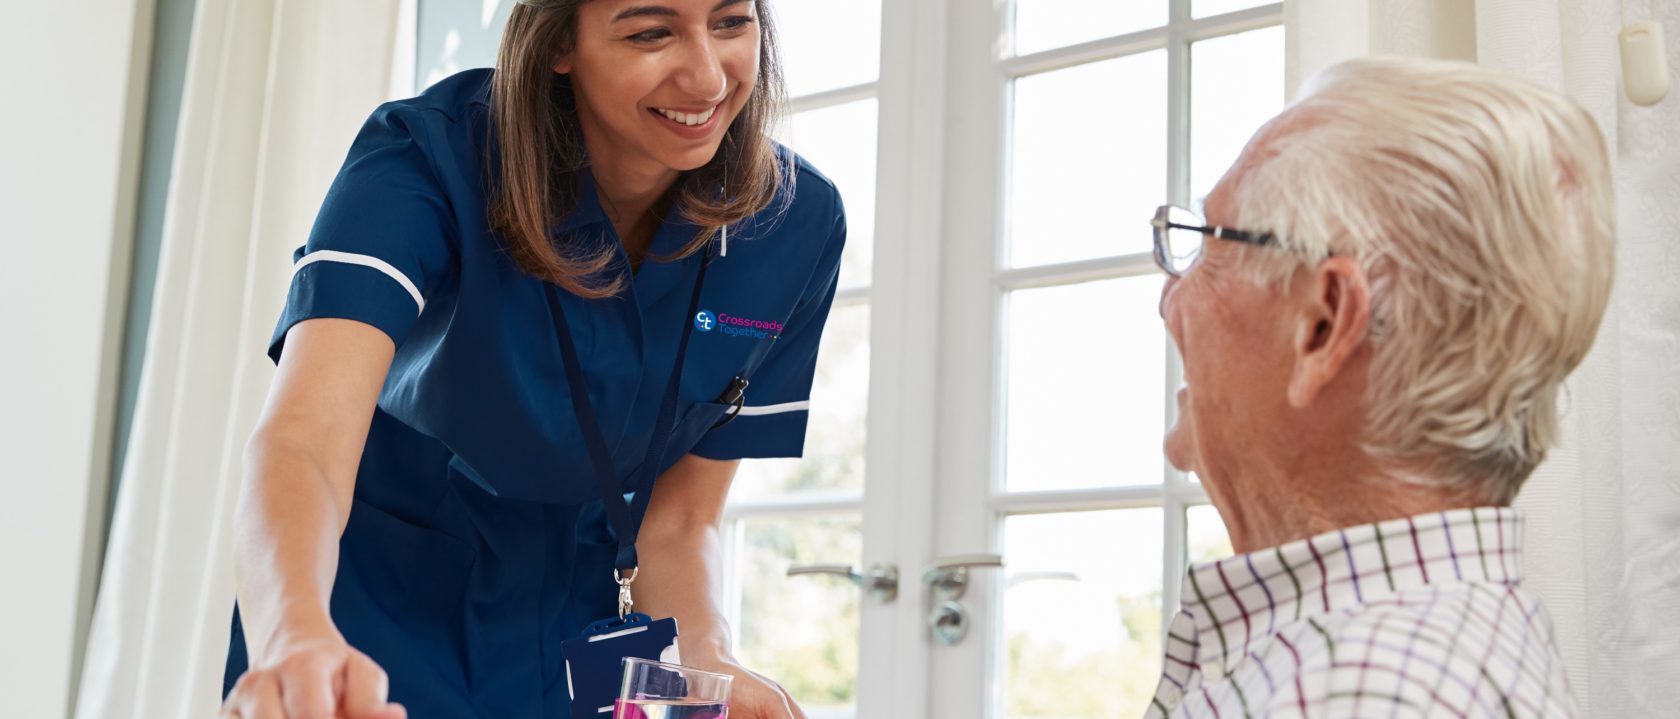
[351, 258]
[775, 408]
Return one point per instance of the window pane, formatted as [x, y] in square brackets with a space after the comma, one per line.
[840, 142]
[1090, 647]
[1089, 160]
[827, 45]
[1205, 537]
[455, 36]
[1047, 24]
[1236, 85]
[1085, 396]
[1205, 8]
[801, 631]
[834, 443]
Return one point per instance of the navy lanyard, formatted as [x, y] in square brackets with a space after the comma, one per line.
[626, 517]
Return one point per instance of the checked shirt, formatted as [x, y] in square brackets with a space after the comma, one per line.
[1416, 617]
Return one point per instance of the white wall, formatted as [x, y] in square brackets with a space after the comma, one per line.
[73, 78]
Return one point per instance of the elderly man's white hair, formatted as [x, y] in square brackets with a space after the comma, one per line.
[1480, 206]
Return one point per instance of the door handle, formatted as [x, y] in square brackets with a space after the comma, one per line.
[947, 581]
[881, 582]
[949, 575]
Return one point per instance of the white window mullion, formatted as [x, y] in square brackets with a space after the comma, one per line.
[851, 296]
[831, 98]
[1067, 273]
[1084, 53]
[733, 540]
[1178, 109]
[1178, 191]
[1253, 18]
[788, 506]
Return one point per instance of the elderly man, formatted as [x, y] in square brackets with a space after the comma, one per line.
[1376, 317]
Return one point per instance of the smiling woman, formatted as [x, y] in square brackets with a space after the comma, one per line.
[656, 100]
[434, 507]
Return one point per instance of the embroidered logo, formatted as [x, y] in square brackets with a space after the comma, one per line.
[737, 326]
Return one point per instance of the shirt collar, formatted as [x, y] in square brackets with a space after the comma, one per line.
[1229, 603]
[588, 211]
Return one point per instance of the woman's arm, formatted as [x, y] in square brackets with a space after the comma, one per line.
[682, 576]
[300, 474]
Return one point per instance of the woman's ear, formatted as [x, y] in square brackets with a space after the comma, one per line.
[563, 64]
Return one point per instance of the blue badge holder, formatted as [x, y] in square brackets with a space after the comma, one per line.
[595, 661]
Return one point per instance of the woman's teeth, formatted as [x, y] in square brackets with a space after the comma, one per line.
[687, 118]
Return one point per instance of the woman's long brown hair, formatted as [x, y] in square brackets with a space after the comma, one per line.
[540, 151]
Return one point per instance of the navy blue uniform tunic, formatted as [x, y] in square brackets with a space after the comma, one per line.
[476, 543]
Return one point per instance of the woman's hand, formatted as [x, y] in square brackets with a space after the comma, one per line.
[751, 695]
[321, 678]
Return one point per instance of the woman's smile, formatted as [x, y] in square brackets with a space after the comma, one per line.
[689, 123]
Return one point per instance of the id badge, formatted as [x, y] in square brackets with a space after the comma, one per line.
[594, 661]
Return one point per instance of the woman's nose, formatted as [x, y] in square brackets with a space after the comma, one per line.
[702, 73]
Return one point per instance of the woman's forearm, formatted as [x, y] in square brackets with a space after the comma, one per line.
[682, 577]
[287, 523]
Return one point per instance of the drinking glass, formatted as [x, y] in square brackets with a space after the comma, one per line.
[656, 690]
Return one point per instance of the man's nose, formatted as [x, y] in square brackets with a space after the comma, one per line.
[1166, 292]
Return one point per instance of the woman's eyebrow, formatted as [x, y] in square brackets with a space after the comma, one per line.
[644, 11]
[662, 11]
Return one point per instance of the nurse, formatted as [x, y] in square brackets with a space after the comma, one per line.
[588, 266]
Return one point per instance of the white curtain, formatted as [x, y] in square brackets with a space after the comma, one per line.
[1603, 540]
[275, 90]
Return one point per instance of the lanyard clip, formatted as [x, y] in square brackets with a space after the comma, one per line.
[736, 392]
[735, 396]
[626, 603]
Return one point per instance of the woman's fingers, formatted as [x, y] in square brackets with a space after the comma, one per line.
[793, 710]
[788, 704]
[390, 711]
[768, 700]
[306, 683]
[317, 679]
[366, 687]
[256, 696]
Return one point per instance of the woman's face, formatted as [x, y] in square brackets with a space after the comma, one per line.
[662, 80]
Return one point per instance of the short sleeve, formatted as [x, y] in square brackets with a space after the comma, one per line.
[772, 422]
[382, 241]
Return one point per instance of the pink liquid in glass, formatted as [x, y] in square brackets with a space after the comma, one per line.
[669, 709]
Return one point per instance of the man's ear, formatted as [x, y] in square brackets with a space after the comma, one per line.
[1332, 309]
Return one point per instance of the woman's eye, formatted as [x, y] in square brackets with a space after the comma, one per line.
[734, 23]
[650, 36]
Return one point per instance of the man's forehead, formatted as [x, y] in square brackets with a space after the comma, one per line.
[1261, 148]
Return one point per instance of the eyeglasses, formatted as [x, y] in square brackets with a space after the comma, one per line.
[1179, 234]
